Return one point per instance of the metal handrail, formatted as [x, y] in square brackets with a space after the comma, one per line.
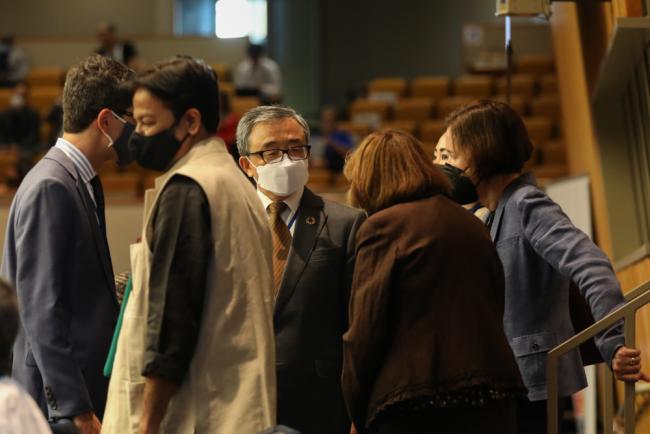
[635, 300]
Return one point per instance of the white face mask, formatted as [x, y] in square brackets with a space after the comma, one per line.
[284, 177]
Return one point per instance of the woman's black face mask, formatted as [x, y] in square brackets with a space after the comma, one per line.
[463, 190]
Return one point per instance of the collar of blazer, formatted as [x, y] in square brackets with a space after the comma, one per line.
[59, 156]
[525, 179]
[309, 224]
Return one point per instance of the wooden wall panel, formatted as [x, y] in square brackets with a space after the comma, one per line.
[579, 135]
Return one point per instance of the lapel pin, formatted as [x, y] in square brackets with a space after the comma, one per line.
[311, 220]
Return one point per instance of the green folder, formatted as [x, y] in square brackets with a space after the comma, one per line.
[108, 367]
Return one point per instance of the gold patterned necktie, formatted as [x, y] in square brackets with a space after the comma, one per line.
[281, 242]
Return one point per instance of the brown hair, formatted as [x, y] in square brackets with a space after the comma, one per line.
[491, 136]
[390, 167]
[96, 83]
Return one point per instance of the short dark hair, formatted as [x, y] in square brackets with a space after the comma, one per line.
[8, 324]
[94, 84]
[491, 136]
[182, 83]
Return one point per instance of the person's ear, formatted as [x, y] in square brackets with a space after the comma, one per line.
[193, 121]
[102, 118]
[247, 167]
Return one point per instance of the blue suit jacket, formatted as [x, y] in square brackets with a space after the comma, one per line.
[57, 259]
[542, 252]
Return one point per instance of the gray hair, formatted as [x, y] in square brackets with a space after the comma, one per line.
[266, 113]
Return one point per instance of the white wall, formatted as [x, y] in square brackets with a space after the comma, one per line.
[80, 17]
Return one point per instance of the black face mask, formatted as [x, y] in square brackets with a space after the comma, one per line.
[121, 146]
[155, 152]
[463, 190]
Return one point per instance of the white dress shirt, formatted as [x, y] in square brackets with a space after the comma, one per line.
[85, 169]
[290, 213]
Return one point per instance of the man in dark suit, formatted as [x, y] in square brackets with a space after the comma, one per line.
[313, 260]
[56, 253]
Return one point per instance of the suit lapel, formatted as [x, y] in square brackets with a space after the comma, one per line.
[101, 247]
[526, 178]
[309, 224]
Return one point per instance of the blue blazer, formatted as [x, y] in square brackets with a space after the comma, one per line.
[56, 257]
[542, 252]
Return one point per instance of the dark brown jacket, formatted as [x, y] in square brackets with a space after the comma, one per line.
[426, 309]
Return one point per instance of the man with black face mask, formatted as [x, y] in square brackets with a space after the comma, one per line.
[195, 351]
[56, 253]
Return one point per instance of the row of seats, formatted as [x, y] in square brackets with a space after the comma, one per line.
[540, 128]
[422, 108]
[524, 84]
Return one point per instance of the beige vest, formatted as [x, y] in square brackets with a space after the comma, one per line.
[230, 387]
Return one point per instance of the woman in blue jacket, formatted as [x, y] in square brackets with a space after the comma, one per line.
[542, 253]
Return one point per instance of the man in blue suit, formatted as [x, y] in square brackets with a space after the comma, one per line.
[56, 253]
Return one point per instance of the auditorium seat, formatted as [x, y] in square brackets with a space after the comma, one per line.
[359, 131]
[42, 98]
[517, 102]
[447, 105]
[540, 129]
[227, 87]
[522, 84]
[430, 131]
[222, 70]
[430, 86]
[553, 152]
[369, 112]
[414, 108]
[121, 185]
[5, 98]
[548, 84]
[241, 104]
[407, 126]
[546, 105]
[50, 76]
[393, 85]
[536, 64]
[477, 86]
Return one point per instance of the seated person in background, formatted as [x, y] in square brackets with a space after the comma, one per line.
[20, 125]
[19, 414]
[258, 75]
[14, 65]
[338, 143]
[426, 349]
[111, 46]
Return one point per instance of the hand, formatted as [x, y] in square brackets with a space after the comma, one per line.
[87, 423]
[353, 430]
[627, 365]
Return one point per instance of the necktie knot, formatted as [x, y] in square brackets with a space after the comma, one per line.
[276, 208]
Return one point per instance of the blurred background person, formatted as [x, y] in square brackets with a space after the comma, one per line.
[333, 144]
[14, 64]
[20, 124]
[258, 75]
[19, 413]
[228, 125]
[413, 363]
[542, 253]
[110, 45]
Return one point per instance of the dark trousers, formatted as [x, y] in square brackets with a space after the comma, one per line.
[531, 415]
[496, 417]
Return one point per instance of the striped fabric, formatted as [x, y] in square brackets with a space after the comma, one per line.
[281, 242]
[80, 161]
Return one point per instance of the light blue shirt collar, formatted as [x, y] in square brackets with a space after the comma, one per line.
[79, 160]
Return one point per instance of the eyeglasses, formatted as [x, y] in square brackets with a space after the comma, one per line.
[126, 117]
[271, 156]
